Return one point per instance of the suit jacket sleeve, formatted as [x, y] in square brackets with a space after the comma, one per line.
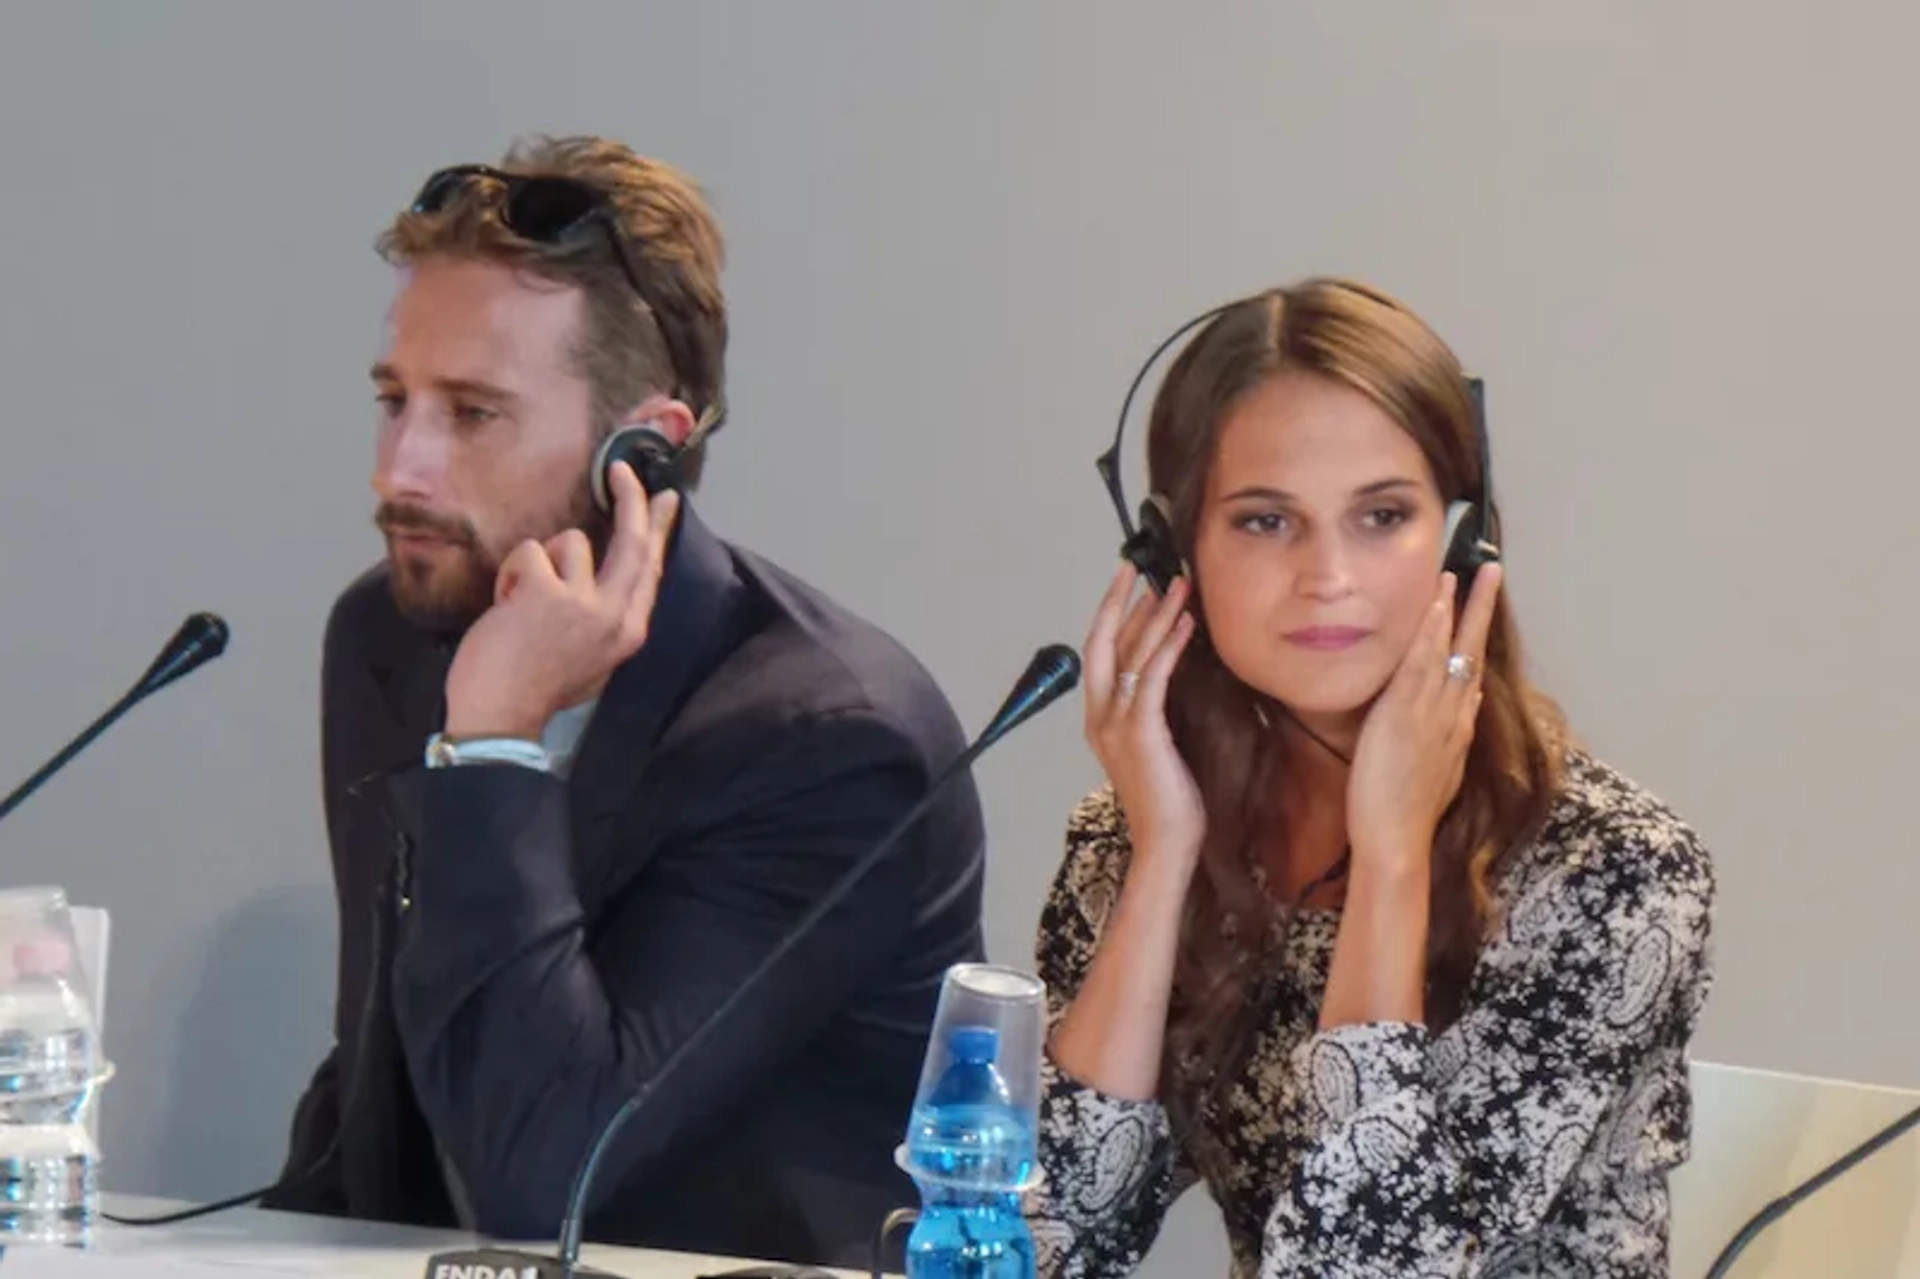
[523, 1033]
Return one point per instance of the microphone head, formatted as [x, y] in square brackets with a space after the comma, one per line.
[200, 639]
[1051, 675]
[1054, 672]
[208, 629]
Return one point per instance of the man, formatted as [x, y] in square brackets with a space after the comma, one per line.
[583, 773]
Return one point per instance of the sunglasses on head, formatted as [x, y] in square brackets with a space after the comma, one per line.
[545, 209]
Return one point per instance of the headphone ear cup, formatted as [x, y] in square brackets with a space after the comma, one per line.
[1151, 549]
[1467, 547]
[1456, 537]
[644, 448]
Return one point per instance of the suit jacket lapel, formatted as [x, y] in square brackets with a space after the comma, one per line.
[409, 666]
[699, 594]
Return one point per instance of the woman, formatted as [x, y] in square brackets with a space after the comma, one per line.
[1423, 1013]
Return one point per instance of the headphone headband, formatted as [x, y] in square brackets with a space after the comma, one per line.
[1477, 394]
[1108, 463]
[1150, 547]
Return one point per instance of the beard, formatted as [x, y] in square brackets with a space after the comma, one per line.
[444, 585]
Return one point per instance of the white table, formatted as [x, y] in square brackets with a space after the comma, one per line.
[247, 1239]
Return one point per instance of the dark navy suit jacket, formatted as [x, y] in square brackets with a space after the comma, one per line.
[519, 952]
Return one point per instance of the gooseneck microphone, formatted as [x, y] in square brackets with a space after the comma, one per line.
[1805, 1190]
[1052, 673]
[200, 639]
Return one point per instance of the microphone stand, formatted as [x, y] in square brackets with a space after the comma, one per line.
[72, 748]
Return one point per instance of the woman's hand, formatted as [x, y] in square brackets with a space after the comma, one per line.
[1113, 1034]
[1130, 655]
[1412, 750]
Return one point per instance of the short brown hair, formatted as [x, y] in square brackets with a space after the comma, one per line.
[676, 249]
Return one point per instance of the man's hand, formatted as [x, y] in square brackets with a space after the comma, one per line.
[557, 629]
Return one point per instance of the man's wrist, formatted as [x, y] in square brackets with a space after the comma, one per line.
[471, 723]
[446, 751]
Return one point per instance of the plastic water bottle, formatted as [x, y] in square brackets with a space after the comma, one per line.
[49, 1069]
[971, 1151]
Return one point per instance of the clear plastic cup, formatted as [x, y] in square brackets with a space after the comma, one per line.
[49, 1059]
[988, 1036]
[1006, 1001]
[37, 934]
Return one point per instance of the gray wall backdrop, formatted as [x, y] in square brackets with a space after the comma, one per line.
[1677, 239]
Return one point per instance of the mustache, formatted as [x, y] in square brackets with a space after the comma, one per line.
[405, 517]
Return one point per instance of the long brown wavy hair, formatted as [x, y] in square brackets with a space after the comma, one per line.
[1227, 731]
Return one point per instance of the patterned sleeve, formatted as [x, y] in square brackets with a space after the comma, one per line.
[1442, 1158]
[1110, 1165]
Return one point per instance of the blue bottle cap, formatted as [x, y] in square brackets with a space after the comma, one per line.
[975, 1045]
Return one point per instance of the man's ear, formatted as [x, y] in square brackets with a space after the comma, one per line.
[669, 416]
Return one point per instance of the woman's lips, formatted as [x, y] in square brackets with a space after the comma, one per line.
[1328, 639]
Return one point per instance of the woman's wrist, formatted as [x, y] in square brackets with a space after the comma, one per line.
[1392, 877]
[1164, 864]
[1379, 958]
[1392, 852]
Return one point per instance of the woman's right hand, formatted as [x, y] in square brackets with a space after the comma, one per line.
[1130, 655]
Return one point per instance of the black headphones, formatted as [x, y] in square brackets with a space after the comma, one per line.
[655, 459]
[1472, 528]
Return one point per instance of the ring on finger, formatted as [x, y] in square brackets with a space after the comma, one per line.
[1462, 667]
[1126, 684]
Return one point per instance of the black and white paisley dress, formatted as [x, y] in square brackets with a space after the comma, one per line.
[1533, 1137]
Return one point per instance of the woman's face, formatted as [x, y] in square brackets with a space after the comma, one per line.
[1318, 545]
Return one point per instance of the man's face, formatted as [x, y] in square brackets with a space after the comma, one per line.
[486, 430]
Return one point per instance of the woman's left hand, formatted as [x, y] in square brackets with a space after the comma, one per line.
[1412, 750]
